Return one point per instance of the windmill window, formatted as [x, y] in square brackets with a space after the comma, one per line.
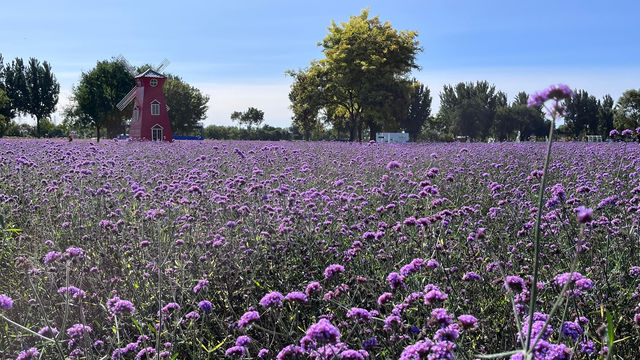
[155, 107]
[136, 114]
[139, 83]
[154, 82]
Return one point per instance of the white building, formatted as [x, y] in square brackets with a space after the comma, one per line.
[396, 138]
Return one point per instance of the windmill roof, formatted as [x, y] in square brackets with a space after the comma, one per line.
[151, 74]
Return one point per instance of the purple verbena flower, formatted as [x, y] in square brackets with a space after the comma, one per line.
[236, 351]
[384, 298]
[468, 321]
[312, 287]
[291, 352]
[117, 306]
[471, 276]
[362, 315]
[271, 299]
[30, 354]
[395, 280]
[296, 296]
[393, 165]
[6, 302]
[571, 330]
[323, 332]
[202, 284]
[248, 318]
[332, 270]
[585, 215]
[205, 305]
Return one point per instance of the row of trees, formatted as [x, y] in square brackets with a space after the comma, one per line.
[588, 115]
[30, 89]
[478, 111]
[362, 86]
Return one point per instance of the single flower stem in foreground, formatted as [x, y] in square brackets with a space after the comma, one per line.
[536, 248]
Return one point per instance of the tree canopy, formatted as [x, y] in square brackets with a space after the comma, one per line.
[627, 110]
[32, 89]
[364, 59]
[469, 109]
[306, 101]
[419, 110]
[251, 117]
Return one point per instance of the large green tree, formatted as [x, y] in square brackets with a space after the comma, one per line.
[96, 96]
[32, 89]
[627, 110]
[363, 58]
[469, 109]
[188, 106]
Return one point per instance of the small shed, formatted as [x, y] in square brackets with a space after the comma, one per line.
[396, 138]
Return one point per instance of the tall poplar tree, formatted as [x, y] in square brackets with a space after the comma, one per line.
[33, 89]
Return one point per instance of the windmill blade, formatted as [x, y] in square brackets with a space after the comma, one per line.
[126, 64]
[126, 99]
[163, 65]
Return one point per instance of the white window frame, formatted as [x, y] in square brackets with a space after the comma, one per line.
[155, 108]
[153, 82]
[136, 114]
[158, 128]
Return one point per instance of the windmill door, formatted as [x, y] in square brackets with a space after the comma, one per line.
[156, 133]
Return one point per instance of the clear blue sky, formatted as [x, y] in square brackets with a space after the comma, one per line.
[237, 51]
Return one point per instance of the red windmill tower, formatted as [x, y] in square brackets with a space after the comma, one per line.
[150, 118]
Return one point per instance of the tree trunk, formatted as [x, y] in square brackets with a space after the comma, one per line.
[37, 127]
[98, 133]
[373, 130]
[353, 124]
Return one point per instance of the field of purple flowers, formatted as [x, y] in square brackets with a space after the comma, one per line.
[202, 250]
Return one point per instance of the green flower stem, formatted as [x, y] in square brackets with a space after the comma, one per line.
[559, 299]
[24, 328]
[536, 249]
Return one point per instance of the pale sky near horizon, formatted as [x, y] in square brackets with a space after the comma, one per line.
[238, 51]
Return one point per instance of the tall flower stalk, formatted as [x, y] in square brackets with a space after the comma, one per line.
[557, 110]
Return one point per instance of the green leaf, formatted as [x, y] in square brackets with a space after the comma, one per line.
[499, 355]
[610, 335]
[218, 346]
